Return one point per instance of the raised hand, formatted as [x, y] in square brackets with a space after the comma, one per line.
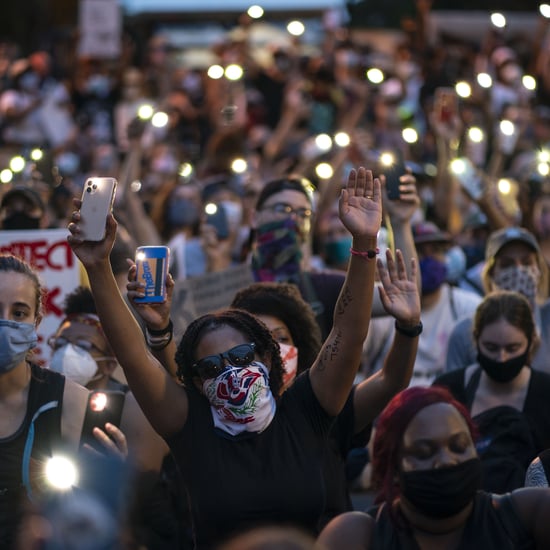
[90, 252]
[399, 291]
[112, 440]
[360, 204]
[402, 209]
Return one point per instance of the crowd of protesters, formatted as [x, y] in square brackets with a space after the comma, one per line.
[272, 148]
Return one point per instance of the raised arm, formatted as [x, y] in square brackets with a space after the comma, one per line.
[334, 370]
[163, 402]
[401, 299]
[159, 333]
[398, 214]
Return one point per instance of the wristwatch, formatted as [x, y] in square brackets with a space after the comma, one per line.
[411, 332]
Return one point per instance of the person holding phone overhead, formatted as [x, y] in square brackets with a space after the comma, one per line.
[248, 455]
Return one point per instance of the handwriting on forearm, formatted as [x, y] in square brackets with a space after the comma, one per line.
[344, 300]
[330, 350]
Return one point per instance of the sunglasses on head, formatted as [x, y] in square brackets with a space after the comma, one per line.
[212, 366]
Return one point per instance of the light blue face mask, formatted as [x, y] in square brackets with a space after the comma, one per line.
[16, 339]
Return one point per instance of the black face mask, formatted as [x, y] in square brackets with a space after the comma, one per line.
[442, 492]
[20, 220]
[502, 371]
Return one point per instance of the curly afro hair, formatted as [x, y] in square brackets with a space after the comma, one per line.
[248, 326]
[284, 301]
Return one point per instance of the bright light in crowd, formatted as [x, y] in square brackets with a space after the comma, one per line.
[234, 72]
[543, 168]
[324, 170]
[484, 80]
[296, 28]
[323, 142]
[410, 135]
[507, 127]
[475, 134]
[543, 156]
[387, 159]
[145, 112]
[342, 139]
[61, 472]
[498, 20]
[135, 186]
[185, 170]
[463, 89]
[529, 82]
[6, 175]
[37, 154]
[255, 11]
[17, 164]
[159, 120]
[458, 166]
[545, 10]
[374, 75]
[430, 169]
[504, 186]
[215, 72]
[239, 166]
[211, 208]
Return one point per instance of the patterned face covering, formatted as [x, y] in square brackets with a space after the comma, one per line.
[520, 278]
[278, 254]
[240, 399]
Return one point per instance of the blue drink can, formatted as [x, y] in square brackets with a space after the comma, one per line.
[152, 269]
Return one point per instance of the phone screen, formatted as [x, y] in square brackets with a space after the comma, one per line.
[392, 166]
[468, 177]
[446, 104]
[102, 407]
[217, 217]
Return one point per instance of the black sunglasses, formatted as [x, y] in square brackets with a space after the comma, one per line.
[212, 366]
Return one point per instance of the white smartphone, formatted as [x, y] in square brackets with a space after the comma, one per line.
[468, 177]
[97, 201]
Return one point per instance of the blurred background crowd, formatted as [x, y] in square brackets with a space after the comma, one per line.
[194, 134]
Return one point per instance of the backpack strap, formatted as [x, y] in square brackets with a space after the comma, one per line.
[471, 387]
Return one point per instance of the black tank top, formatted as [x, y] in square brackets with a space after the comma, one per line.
[23, 452]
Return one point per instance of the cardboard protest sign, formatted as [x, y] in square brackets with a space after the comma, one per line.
[58, 268]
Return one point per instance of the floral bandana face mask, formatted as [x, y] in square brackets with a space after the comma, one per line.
[240, 399]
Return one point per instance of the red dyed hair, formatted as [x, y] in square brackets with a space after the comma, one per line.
[392, 423]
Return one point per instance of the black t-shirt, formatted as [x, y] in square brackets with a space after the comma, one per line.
[274, 477]
[341, 440]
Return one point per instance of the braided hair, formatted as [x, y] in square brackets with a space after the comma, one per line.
[245, 323]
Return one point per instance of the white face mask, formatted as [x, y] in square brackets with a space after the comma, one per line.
[289, 355]
[240, 399]
[75, 363]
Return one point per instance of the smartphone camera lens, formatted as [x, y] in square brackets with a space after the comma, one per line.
[94, 185]
[88, 189]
